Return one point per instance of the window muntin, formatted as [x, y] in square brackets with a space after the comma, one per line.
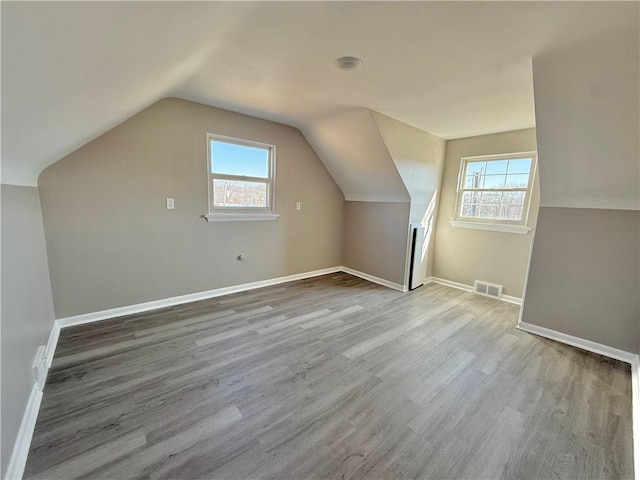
[495, 189]
[241, 175]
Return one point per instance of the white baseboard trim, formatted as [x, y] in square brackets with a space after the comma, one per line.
[191, 297]
[510, 299]
[23, 441]
[374, 279]
[587, 345]
[450, 283]
[52, 343]
[469, 288]
[635, 412]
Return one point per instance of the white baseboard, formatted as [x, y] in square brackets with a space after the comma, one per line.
[450, 283]
[374, 279]
[28, 423]
[510, 299]
[191, 297]
[23, 441]
[469, 288]
[587, 345]
[635, 411]
[52, 343]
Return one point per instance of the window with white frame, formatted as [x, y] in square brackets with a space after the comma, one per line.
[241, 177]
[496, 188]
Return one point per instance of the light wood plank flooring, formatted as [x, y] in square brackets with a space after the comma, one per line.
[331, 377]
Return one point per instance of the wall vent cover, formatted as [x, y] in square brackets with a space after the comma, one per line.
[487, 289]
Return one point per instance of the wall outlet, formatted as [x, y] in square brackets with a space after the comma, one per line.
[171, 204]
[298, 206]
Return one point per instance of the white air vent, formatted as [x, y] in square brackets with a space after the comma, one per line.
[487, 289]
[40, 367]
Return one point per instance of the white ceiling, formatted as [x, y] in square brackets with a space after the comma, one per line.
[72, 70]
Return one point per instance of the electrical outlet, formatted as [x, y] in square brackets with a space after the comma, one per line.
[298, 206]
[171, 204]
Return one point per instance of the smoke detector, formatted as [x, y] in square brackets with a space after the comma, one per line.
[348, 64]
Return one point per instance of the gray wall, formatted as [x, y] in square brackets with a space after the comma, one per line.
[584, 278]
[463, 255]
[27, 308]
[586, 100]
[111, 242]
[419, 158]
[375, 239]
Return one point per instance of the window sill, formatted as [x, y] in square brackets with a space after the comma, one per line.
[240, 217]
[494, 227]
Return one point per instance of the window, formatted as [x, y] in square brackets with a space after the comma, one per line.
[241, 179]
[495, 189]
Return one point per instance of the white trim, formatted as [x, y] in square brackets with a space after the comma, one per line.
[270, 181]
[240, 217]
[510, 299]
[500, 155]
[450, 283]
[191, 297]
[469, 288]
[635, 412]
[526, 276]
[494, 227]
[460, 189]
[52, 343]
[578, 342]
[374, 279]
[25, 434]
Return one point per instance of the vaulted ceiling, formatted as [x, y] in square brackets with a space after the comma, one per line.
[72, 70]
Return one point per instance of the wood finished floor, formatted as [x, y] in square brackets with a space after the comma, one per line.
[331, 377]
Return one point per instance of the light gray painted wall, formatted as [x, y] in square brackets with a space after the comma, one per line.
[375, 239]
[353, 151]
[464, 255]
[111, 242]
[586, 99]
[419, 159]
[27, 307]
[584, 277]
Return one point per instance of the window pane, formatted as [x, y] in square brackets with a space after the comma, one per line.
[511, 212]
[475, 167]
[469, 204]
[474, 181]
[231, 159]
[514, 198]
[497, 166]
[231, 193]
[519, 165]
[488, 211]
[494, 181]
[518, 181]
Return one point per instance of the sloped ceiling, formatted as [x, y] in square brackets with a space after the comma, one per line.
[72, 70]
[359, 161]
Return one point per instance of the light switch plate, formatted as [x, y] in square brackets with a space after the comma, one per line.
[171, 204]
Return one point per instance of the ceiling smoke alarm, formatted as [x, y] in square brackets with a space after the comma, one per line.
[348, 64]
